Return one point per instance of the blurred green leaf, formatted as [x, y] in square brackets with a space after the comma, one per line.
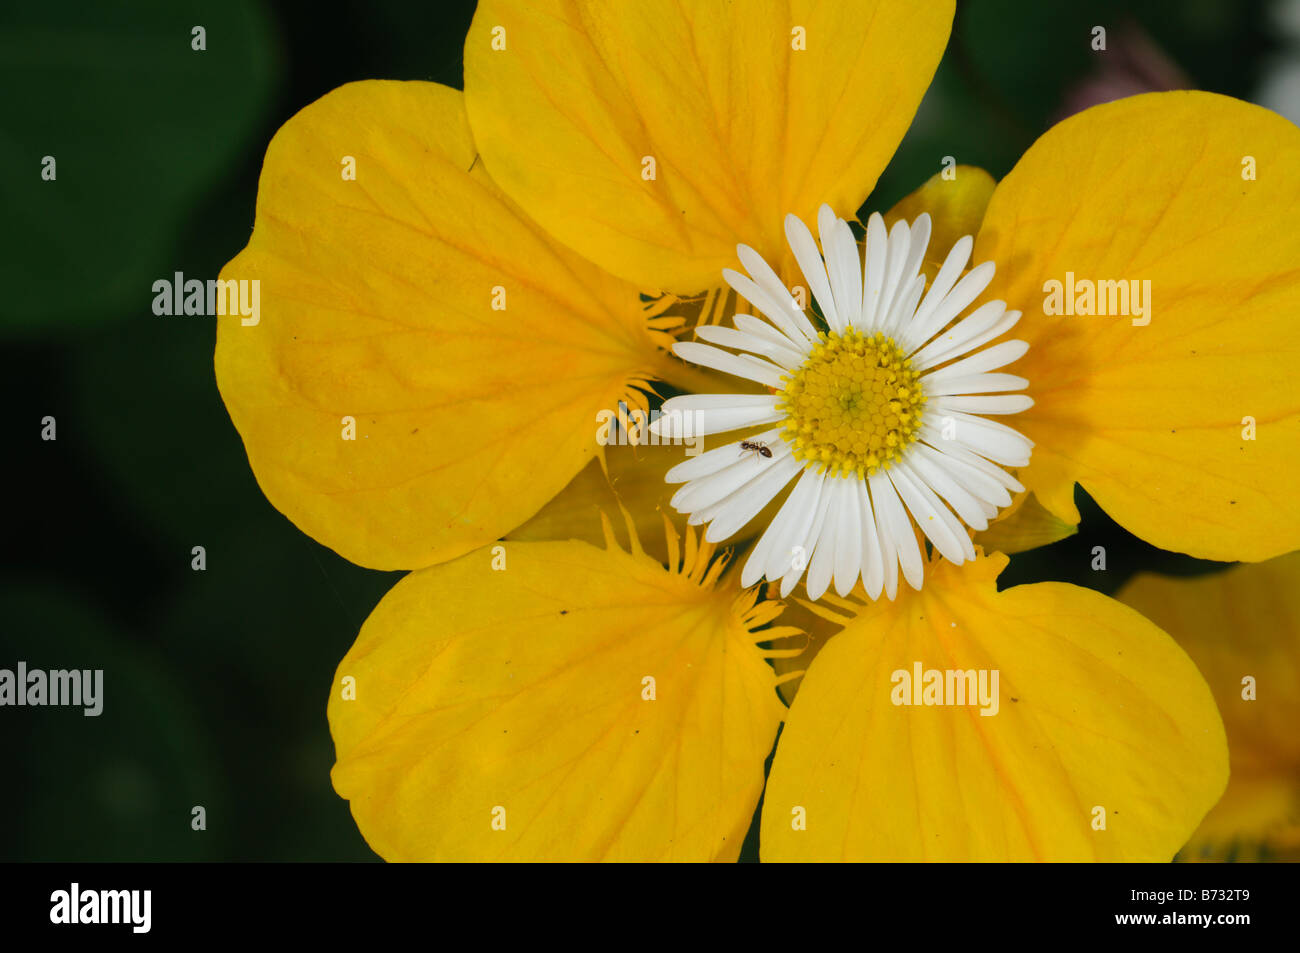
[119, 786]
[139, 125]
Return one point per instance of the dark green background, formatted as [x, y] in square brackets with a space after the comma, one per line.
[216, 681]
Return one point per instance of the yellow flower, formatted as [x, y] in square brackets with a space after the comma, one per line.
[1242, 629]
[441, 330]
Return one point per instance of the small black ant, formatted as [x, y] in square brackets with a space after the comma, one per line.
[760, 448]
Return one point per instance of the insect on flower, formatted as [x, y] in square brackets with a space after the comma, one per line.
[757, 446]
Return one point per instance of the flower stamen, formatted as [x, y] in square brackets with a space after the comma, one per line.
[854, 404]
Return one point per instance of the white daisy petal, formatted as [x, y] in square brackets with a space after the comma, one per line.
[990, 359]
[842, 267]
[719, 458]
[873, 571]
[823, 542]
[970, 287]
[759, 328]
[802, 498]
[954, 263]
[739, 365]
[973, 511]
[934, 519]
[801, 558]
[773, 309]
[989, 439]
[920, 244]
[873, 273]
[1001, 327]
[730, 337]
[848, 543]
[731, 515]
[981, 484]
[781, 556]
[934, 313]
[737, 501]
[805, 252]
[974, 384]
[896, 531]
[900, 243]
[903, 306]
[756, 564]
[716, 487]
[850, 264]
[702, 414]
[958, 339]
[984, 404]
[1001, 477]
[786, 357]
[912, 283]
[769, 281]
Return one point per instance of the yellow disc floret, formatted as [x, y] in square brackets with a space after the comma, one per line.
[854, 404]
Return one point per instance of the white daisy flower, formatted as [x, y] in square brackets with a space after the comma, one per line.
[880, 416]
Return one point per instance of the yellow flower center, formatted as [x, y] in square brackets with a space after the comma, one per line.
[854, 404]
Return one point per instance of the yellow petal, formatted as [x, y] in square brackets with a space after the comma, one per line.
[377, 319]
[956, 207]
[1151, 418]
[1024, 525]
[1097, 711]
[632, 478]
[653, 137]
[817, 623]
[1238, 624]
[521, 695]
